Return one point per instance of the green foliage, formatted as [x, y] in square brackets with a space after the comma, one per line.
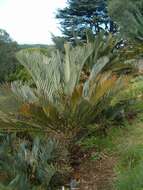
[59, 42]
[98, 143]
[21, 73]
[90, 142]
[33, 163]
[8, 62]
[128, 14]
[132, 96]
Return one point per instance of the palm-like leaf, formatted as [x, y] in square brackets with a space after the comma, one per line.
[60, 101]
[31, 166]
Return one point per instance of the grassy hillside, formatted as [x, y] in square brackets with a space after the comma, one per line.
[118, 163]
[23, 46]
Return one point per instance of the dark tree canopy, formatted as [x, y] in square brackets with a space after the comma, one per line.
[82, 15]
[8, 61]
[59, 42]
[128, 14]
[5, 37]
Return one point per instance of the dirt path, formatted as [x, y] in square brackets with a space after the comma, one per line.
[97, 175]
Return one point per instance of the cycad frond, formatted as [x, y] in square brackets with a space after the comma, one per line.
[60, 100]
[38, 161]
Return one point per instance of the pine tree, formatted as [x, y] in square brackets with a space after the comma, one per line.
[82, 15]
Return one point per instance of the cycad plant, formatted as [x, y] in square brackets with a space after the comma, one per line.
[70, 93]
[32, 164]
[64, 99]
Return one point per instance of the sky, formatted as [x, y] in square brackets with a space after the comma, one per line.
[30, 21]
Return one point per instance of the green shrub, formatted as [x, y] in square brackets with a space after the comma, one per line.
[29, 164]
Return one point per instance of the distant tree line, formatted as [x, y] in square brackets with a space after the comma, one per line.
[8, 62]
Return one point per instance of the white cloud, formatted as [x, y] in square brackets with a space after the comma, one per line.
[30, 21]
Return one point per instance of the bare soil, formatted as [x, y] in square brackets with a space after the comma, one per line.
[97, 175]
